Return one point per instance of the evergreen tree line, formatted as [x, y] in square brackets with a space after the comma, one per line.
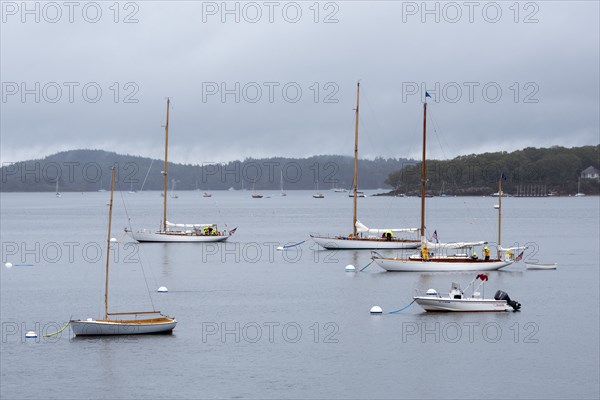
[531, 171]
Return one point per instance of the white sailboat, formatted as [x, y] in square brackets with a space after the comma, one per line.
[318, 195]
[282, 193]
[457, 301]
[255, 194]
[57, 192]
[579, 194]
[432, 262]
[172, 232]
[173, 194]
[361, 236]
[115, 326]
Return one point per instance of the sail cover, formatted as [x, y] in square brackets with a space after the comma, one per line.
[379, 231]
[456, 245]
[172, 225]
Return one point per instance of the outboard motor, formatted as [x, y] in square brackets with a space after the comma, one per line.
[502, 295]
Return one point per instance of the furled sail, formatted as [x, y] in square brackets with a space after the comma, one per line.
[379, 231]
[172, 225]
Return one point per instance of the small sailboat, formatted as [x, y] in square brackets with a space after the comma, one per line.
[131, 191]
[206, 194]
[114, 326]
[363, 237]
[456, 300]
[318, 195]
[255, 194]
[282, 193]
[172, 232]
[436, 261]
[173, 194]
[57, 192]
[579, 194]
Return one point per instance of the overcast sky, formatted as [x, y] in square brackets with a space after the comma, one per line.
[542, 56]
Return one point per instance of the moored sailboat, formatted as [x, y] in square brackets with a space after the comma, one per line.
[173, 232]
[361, 236]
[130, 326]
[432, 262]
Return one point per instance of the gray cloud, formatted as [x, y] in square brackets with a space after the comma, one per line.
[172, 52]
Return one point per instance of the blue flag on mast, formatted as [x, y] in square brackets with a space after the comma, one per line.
[427, 94]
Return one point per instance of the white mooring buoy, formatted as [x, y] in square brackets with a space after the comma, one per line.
[162, 289]
[31, 335]
[350, 268]
[8, 265]
[280, 248]
[376, 310]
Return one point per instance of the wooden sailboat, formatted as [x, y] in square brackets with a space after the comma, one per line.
[111, 326]
[170, 232]
[361, 236]
[426, 262]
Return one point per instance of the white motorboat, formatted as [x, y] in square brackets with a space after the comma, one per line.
[173, 232]
[457, 301]
[541, 265]
[134, 325]
[363, 238]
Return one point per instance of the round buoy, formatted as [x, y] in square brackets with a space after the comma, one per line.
[280, 248]
[496, 206]
[162, 289]
[376, 310]
[113, 240]
[8, 265]
[31, 335]
[350, 268]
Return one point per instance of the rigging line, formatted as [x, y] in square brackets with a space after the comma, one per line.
[437, 135]
[147, 173]
[136, 245]
[376, 121]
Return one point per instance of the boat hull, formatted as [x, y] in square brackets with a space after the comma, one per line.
[429, 303]
[418, 265]
[363, 244]
[159, 237]
[116, 327]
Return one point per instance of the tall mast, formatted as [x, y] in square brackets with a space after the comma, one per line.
[423, 171]
[355, 189]
[499, 211]
[112, 189]
[165, 170]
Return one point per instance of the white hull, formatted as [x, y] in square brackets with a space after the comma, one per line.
[161, 237]
[417, 265]
[363, 244]
[462, 305]
[540, 266]
[103, 328]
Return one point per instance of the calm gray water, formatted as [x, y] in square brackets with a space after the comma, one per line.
[258, 323]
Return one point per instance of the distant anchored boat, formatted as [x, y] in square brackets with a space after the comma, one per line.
[172, 232]
[361, 236]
